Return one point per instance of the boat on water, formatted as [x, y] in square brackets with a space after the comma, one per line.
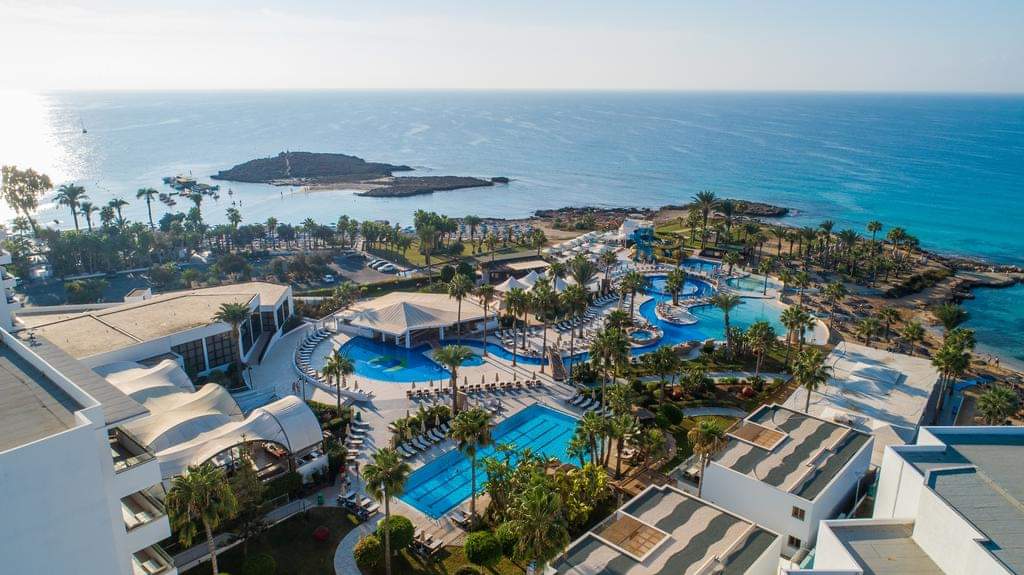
[188, 184]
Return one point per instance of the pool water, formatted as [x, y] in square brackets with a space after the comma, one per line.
[641, 334]
[388, 362]
[700, 265]
[443, 483]
[692, 287]
[495, 350]
[751, 283]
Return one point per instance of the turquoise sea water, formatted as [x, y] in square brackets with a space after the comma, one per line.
[996, 316]
[445, 482]
[948, 168]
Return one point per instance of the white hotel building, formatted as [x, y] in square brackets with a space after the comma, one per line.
[77, 493]
[951, 504]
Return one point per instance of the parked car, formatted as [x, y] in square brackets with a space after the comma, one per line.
[329, 278]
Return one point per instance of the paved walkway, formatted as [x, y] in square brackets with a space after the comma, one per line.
[344, 562]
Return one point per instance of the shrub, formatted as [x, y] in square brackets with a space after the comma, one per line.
[401, 530]
[368, 552]
[506, 538]
[673, 414]
[288, 484]
[261, 564]
[447, 273]
[467, 570]
[466, 270]
[321, 533]
[483, 548]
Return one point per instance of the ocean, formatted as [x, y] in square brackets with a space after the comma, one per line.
[948, 168]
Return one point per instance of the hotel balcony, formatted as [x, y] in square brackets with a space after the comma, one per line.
[145, 519]
[135, 466]
[152, 561]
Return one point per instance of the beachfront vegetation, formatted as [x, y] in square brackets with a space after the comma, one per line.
[201, 498]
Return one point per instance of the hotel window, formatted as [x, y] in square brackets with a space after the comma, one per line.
[794, 542]
[257, 326]
[191, 353]
[245, 331]
[799, 513]
[220, 349]
[268, 321]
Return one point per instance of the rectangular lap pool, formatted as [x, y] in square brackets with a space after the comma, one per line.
[440, 485]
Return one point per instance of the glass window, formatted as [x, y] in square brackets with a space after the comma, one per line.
[245, 331]
[794, 542]
[257, 326]
[221, 350]
[798, 513]
[268, 321]
[192, 354]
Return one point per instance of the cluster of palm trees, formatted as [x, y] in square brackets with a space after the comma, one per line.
[953, 358]
[997, 404]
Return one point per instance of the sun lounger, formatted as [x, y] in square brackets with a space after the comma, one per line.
[436, 435]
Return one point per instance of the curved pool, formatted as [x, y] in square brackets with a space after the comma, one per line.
[388, 362]
[751, 283]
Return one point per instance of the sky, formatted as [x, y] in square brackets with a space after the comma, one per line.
[829, 45]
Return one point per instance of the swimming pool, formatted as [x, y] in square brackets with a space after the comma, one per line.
[697, 264]
[443, 483]
[495, 350]
[692, 287]
[751, 283]
[388, 362]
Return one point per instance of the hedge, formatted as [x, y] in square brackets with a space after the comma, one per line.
[401, 530]
[368, 552]
[483, 548]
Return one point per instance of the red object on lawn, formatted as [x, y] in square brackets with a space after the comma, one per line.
[321, 533]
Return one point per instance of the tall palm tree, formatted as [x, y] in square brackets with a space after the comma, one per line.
[811, 372]
[632, 283]
[71, 195]
[337, 367]
[874, 226]
[575, 300]
[149, 194]
[608, 350]
[582, 270]
[888, 316]
[949, 315]
[545, 299]
[234, 314]
[620, 428]
[117, 204]
[868, 328]
[608, 261]
[385, 477]
[726, 302]
[835, 292]
[591, 426]
[458, 288]
[764, 267]
[201, 495]
[706, 439]
[997, 404]
[539, 525]
[913, 334]
[472, 222]
[794, 320]
[452, 357]
[516, 303]
[675, 281]
[88, 209]
[705, 202]
[485, 293]
[471, 430]
[761, 338]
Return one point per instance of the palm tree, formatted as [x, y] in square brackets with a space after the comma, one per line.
[338, 367]
[811, 372]
[458, 289]
[234, 314]
[385, 478]
[608, 261]
[867, 329]
[582, 270]
[88, 209]
[620, 428]
[632, 282]
[913, 334]
[996, 405]
[608, 350]
[675, 281]
[71, 195]
[794, 318]
[471, 430]
[472, 222]
[201, 495]
[764, 268]
[705, 202]
[663, 362]
[235, 217]
[575, 300]
[888, 316]
[117, 204]
[591, 426]
[874, 226]
[452, 357]
[539, 525]
[485, 293]
[706, 439]
[544, 300]
[516, 303]
[726, 302]
[949, 315]
[835, 292]
[951, 362]
[761, 338]
[492, 244]
[148, 193]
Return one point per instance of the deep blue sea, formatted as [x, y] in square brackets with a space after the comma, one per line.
[948, 168]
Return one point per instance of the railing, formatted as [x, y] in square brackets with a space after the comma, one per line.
[128, 451]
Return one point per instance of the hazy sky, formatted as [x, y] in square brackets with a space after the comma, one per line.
[893, 45]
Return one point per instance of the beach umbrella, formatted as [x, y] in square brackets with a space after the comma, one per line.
[515, 376]
[465, 380]
[495, 377]
[414, 385]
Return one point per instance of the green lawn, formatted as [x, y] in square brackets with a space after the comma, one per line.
[446, 562]
[292, 545]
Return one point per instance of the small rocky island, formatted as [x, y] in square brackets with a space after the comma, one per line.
[326, 171]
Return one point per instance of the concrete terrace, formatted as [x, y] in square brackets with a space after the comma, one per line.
[795, 452]
[663, 530]
[885, 549]
[34, 407]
